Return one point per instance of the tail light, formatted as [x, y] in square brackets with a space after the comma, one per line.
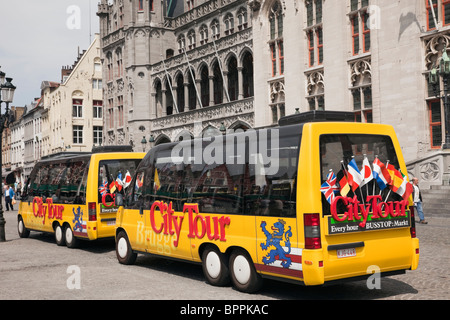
[413, 222]
[92, 211]
[312, 231]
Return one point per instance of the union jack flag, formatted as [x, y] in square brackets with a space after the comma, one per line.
[330, 187]
[103, 188]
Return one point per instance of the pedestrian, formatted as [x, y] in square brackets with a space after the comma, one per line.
[9, 195]
[417, 198]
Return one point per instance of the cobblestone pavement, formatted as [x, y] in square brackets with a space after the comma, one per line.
[35, 268]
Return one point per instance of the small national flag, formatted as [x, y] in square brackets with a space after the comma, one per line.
[157, 184]
[127, 180]
[329, 187]
[397, 181]
[119, 183]
[343, 183]
[355, 177]
[405, 189]
[139, 182]
[112, 187]
[366, 171]
[103, 188]
[391, 169]
[381, 174]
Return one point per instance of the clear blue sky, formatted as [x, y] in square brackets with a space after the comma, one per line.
[38, 37]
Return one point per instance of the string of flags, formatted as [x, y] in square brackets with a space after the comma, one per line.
[117, 185]
[350, 178]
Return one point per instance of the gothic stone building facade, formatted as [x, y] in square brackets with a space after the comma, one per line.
[188, 67]
[169, 75]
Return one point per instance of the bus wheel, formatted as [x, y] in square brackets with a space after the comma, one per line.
[124, 253]
[59, 235]
[243, 273]
[71, 241]
[23, 231]
[215, 267]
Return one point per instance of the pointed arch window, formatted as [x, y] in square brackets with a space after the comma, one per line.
[276, 39]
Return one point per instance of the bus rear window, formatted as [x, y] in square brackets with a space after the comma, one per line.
[115, 170]
[336, 153]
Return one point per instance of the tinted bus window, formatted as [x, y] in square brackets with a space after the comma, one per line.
[72, 187]
[270, 189]
[253, 176]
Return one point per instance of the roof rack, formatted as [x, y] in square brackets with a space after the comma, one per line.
[317, 116]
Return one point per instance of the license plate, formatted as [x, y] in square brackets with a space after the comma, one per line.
[345, 253]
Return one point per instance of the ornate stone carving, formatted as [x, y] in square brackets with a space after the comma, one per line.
[430, 171]
[361, 72]
[315, 83]
[434, 47]
[277, 91]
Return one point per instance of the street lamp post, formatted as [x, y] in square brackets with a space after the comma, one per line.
[6, 95]
[444, 72]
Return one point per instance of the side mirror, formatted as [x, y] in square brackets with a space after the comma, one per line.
[119, 200]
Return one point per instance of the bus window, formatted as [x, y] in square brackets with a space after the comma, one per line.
[336, 151]
[112, 170]
[72, 188]
[273, 192]
[219, 188]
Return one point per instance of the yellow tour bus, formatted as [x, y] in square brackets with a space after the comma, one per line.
[73, 197]
[292, 203]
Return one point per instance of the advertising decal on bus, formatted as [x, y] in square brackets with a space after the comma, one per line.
[281, 259]
[79, 228]
[199, 225]
[41, 210]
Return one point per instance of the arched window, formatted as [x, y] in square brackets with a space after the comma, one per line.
[192, 92]
[204, 83]
[169, 97]
[218, 84]
[119, 63]
[247, 75]
[233, 79]
[191, 39]
[158, 99]
[276, 39]
[229, 23]
[181, 43]
[242, 18]
[215, 29]
[180, 93]
[203, 34]
[110, 65]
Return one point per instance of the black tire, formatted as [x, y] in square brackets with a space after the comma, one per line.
[71, 241]
[124, 252]
[23, 231]
[215, 267]
[60, 236]
[243, 272]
